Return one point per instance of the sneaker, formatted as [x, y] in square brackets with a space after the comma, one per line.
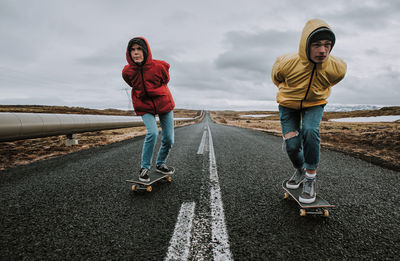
[297, 178]
[144, 175]
[309, 194]
[164, 169]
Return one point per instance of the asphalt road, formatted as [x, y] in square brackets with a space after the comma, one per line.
[79, 207]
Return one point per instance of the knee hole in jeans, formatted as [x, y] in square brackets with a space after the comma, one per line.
[290, 135]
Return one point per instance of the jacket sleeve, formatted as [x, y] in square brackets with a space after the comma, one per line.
[165, 72]
[340, 70]
[276, 73]
[125, 76]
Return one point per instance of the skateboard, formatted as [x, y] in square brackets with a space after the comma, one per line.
[147, 186]
[318, 207]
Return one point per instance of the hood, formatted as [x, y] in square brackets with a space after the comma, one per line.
[148, 57]
[310, 27]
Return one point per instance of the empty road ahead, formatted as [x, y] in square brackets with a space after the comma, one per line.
[225, 202]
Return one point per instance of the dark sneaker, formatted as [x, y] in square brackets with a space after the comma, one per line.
[295, 181]
[164, 169]
[144, 175]
[309, 194]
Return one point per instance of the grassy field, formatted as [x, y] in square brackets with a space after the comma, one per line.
[179, 113]
[378, 143]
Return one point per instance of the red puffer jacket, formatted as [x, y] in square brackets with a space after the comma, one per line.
[150, 93]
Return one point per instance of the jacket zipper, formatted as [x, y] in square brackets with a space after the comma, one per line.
[309, 86]
[145, 90]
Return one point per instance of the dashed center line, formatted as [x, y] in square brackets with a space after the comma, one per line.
[181, 242]
[220, 239]
[203, 140]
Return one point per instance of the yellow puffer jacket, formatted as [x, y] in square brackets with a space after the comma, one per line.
[301, 82]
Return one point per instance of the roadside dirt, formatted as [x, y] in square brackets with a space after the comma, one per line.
[377, 143]
[30, 150]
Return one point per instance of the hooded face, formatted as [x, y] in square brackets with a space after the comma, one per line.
[320, 50]
[137, 54]
[316, 32]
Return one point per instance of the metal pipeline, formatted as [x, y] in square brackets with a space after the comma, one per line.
[18, 126]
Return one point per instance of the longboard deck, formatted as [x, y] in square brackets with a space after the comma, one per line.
[319, 203]
[154, 177]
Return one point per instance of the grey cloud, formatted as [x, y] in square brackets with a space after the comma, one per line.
[255, 51]
[202, 80]
[102, 60]
[20, 78]
[246, 60]
[373, 51]
[250, 56]
[197, 75]
[100, 57]
[179, 17]
[382, 89]
[33, 101]
[168, 54]
[375, 15]
[73, 53]
[240, 72]
[30, 34]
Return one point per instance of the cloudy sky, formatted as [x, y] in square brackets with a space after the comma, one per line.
[57, 52]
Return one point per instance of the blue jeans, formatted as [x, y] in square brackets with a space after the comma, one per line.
[167, 138]
[303, 149]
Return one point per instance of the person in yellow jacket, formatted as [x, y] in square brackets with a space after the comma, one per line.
[304, 80]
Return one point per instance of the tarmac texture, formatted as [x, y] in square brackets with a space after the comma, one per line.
[79, 206]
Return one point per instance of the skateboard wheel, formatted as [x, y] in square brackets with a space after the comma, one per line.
[326, 213]
[133, 187]
[303, 212]
[169, 179]
[149, 188]
[286, 195]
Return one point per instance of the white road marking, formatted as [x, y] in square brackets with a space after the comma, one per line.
[202, 143]
[180, 242]
[220, 239]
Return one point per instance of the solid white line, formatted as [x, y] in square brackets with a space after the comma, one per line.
[180, 242]
[220, 238]
[201, 146]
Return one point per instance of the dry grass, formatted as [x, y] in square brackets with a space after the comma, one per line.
[378, 143]
[30, 150]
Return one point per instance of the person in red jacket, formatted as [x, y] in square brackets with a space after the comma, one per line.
[150, 97]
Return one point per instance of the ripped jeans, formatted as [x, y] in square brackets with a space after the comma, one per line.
[303, 149]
